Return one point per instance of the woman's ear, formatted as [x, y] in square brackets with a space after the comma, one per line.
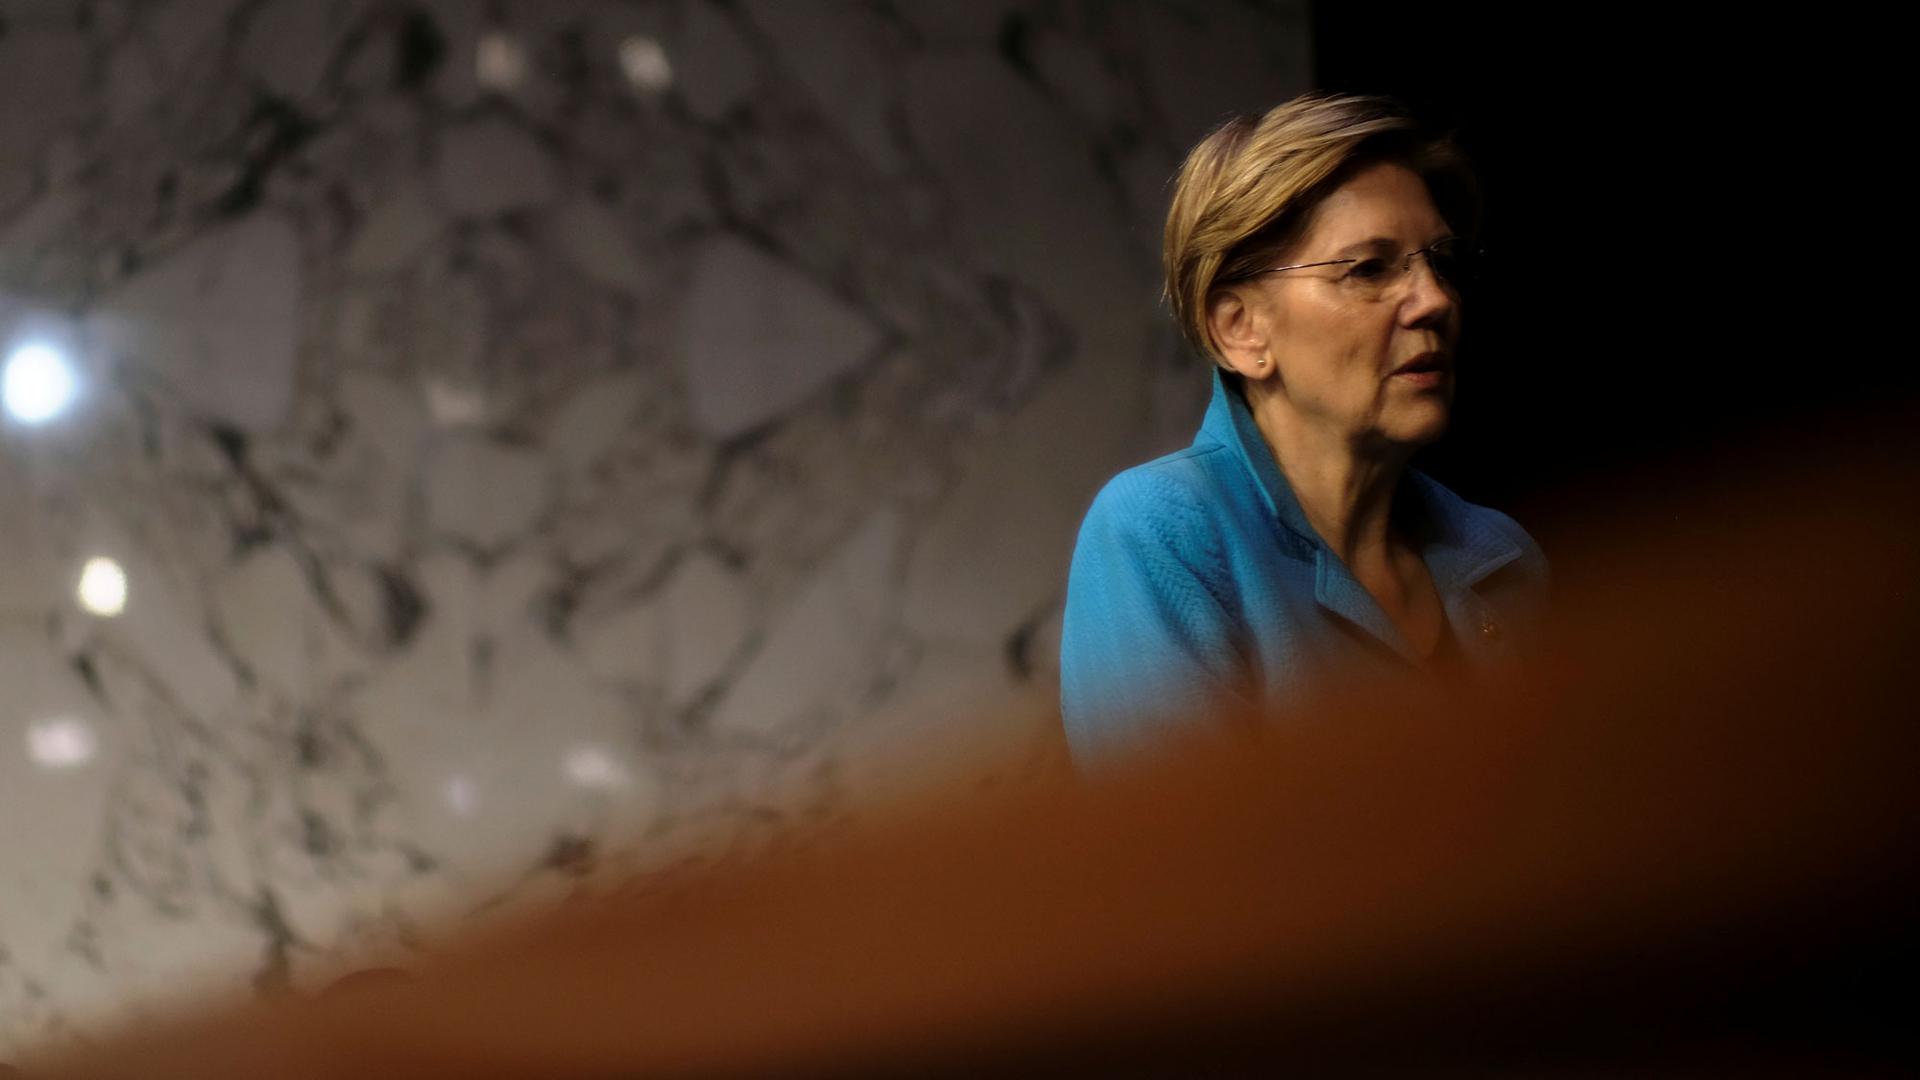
[1239, 327]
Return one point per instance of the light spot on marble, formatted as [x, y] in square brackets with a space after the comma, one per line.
[453, 403]
[463, 795]
[102, 589]
[57, 768]
[594, 768]
[40, 383]
[645, 64]
[500, 62]
[512, 741]
[61, 742]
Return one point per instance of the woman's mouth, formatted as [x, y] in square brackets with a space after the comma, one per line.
[1427, 369]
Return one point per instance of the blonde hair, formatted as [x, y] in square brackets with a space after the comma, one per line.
[1246, 190]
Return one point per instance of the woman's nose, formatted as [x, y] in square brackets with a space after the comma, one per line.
[1426, 295]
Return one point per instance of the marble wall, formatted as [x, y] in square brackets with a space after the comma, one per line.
[543, 441]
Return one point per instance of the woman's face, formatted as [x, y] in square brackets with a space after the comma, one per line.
[1336, 338]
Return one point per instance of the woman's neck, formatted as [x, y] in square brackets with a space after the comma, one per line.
[1346, 491]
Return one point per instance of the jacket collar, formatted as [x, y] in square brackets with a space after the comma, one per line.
[1460, 542]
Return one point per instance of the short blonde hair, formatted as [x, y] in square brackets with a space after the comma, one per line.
[1246, 191]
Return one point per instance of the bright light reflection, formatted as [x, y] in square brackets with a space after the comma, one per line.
[593, 767]
[61, 742]
[645, 64]
[500, 63]
[463, 795]
[39, 383]
[103, 587]
[454, 405]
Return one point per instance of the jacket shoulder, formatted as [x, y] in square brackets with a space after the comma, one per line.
[1183, 484]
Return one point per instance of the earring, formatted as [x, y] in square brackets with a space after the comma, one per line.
[1261, 363]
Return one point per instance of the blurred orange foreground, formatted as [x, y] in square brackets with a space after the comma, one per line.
[1685, 841]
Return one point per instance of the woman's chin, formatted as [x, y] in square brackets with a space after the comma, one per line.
[1417, 425]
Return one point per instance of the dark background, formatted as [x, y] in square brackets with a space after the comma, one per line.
[1674, 273]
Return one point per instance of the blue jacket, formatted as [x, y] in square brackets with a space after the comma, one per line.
[1198, 582]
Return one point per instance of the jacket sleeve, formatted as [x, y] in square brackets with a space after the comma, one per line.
[1149, 650]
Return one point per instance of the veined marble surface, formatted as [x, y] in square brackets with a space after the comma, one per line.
[545, 440]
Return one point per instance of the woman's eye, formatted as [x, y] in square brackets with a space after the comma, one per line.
[1369, 270]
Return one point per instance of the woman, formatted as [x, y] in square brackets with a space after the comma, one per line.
[1316, 256]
